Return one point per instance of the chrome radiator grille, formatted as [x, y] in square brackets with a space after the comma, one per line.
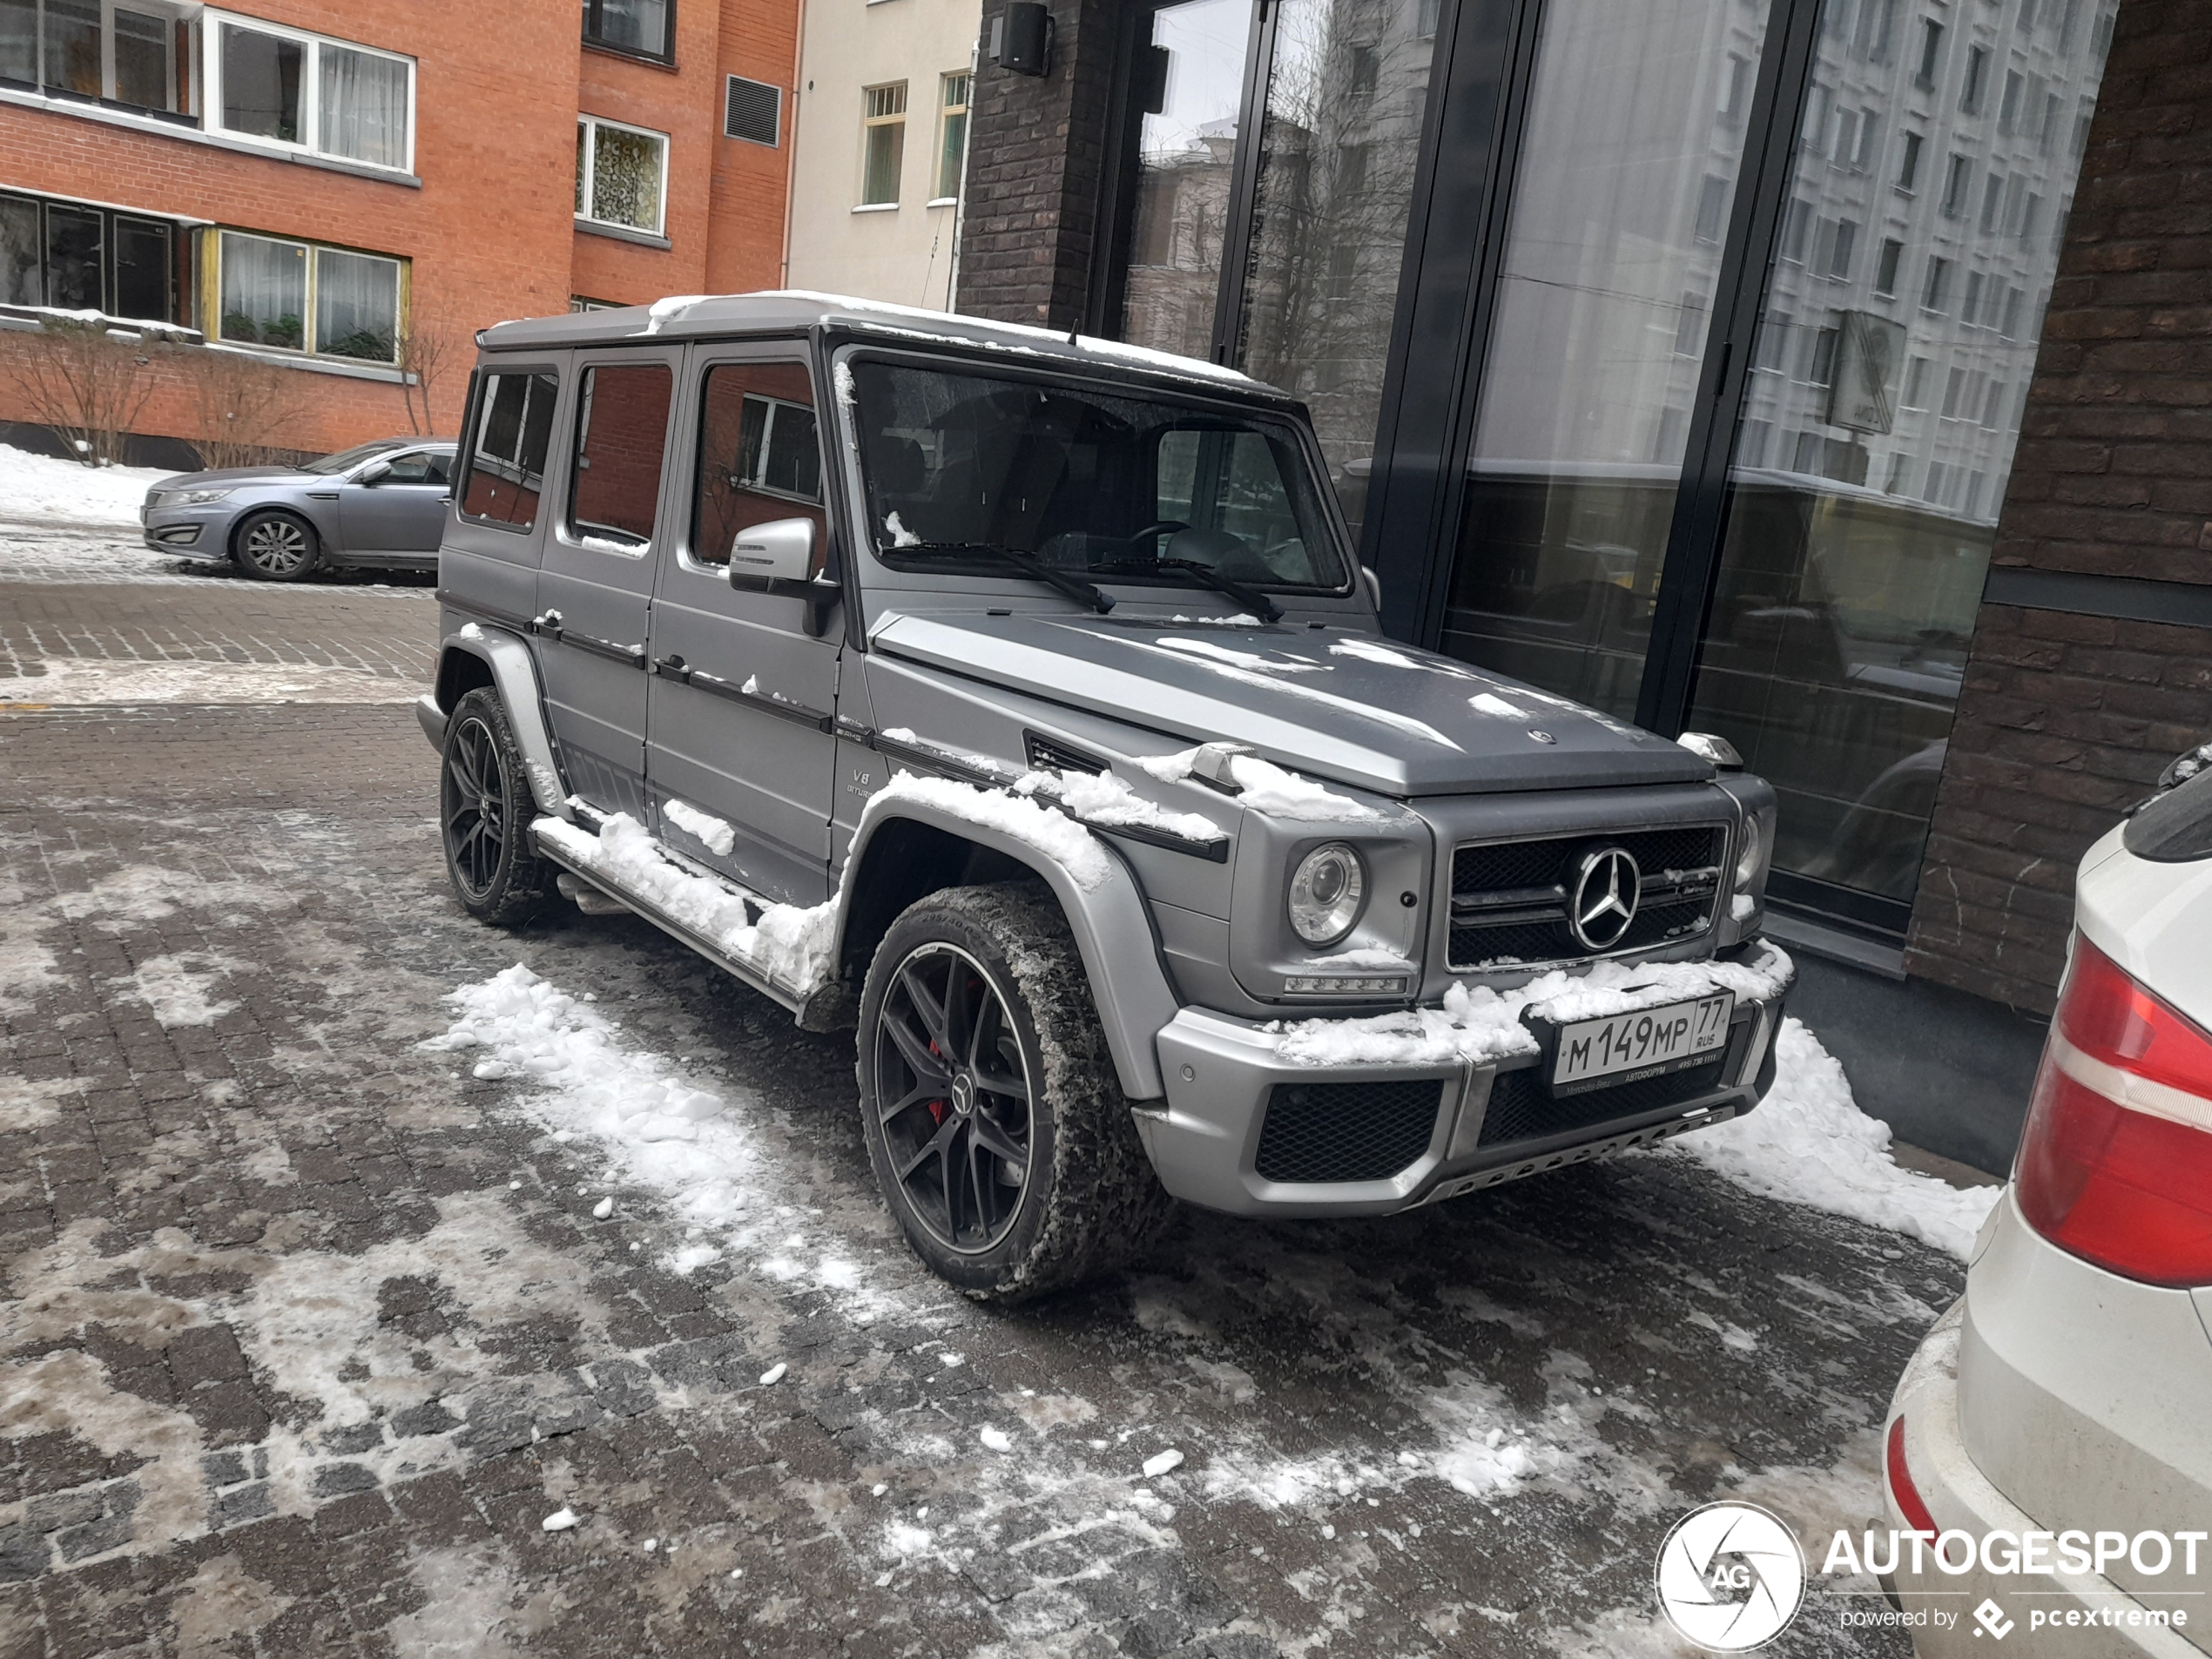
[1510, 899]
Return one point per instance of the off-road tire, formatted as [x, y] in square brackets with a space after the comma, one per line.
[272, 546]
[1091, 1203]
[481, 775]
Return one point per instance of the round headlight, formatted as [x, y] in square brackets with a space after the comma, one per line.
[1747, 864]
[1325, 891]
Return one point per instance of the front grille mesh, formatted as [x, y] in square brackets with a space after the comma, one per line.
[1364, 1131]
[1533, 930]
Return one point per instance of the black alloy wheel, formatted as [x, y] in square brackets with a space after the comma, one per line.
[484, 812]
[954, 1101]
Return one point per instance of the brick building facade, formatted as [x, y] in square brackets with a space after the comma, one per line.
[451, 204]
[2092, 659]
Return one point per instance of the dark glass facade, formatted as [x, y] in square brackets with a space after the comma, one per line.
[1669, 356]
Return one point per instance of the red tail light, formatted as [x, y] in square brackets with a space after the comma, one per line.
[1910, 1503]
[2116, 1163]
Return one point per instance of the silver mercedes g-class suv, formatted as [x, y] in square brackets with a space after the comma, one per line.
[1017, 700]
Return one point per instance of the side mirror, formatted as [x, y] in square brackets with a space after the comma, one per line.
[376, 472]
[780, 550]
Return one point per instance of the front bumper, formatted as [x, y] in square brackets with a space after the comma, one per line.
[2033, 1609]
[188, 532]
[1460, 1127]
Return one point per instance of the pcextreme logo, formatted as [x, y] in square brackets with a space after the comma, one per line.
[1730, 1577]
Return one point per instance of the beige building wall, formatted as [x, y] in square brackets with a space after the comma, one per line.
[900, 252]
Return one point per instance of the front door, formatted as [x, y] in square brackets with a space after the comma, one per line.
[740, 755]
[595, 588]
[403, 510]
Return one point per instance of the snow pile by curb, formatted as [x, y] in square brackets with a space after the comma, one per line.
[1809, 1144]
[662, 1129]
[43, 488]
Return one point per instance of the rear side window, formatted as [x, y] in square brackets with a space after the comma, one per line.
[759, 456]
[506, 452]
[621, 436]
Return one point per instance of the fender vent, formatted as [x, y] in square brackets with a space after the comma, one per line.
[1319, 1132]
[1049, 754]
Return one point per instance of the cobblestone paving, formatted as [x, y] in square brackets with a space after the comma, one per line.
[305, 1329]
[392, 634]
[42, 550]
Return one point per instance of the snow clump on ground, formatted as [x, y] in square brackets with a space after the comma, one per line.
[41, 486]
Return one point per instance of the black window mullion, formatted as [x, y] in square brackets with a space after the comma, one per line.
[1692, 563]
[1455, 237]
[1243, 184]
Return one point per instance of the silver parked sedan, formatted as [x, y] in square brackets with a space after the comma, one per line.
[381, 504]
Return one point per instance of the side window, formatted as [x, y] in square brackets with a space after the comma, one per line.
[411, 469]
[440, 469]
[759, 456]
[507, 453]
[621, 436]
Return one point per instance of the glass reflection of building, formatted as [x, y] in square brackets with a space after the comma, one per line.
[1751, 294]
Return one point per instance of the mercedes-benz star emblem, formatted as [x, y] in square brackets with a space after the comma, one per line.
[963, 1094]
[1607, 886]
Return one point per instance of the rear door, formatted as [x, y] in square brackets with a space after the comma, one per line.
[402, 511]
[743, 696]
[594, 585]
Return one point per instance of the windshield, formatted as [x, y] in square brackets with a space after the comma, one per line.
[1116, 486]
[351, 457]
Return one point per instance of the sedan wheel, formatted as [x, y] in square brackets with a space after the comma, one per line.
[276, 547]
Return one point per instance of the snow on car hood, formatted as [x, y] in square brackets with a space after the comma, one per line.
[1351, 707]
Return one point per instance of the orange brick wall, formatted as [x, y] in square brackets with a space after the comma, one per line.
[490, 233]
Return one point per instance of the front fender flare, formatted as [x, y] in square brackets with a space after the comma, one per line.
[514, 675]
[1111, 925]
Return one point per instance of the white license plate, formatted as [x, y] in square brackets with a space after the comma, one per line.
[1643, 1044]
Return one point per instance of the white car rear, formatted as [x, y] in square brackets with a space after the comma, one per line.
[2060, 1415]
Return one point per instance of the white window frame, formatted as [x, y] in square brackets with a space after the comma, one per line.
[590, 149]
[211, 76]
[869, 122]
[940, 197]
[310, 346]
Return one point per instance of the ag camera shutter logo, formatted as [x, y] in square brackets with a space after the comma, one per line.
[1730, 1577]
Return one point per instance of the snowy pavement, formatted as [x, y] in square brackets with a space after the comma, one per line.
[347, 1243]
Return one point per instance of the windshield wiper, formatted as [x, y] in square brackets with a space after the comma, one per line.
[1075, 588]
[1207, 576]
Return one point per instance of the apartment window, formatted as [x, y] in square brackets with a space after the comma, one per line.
[1916, 385]
[883, 143]
[2008, 109]
[1993, 201]
[1712, 208]
[1957, 179]
[2047, 130]
[1976, 84]
[1735, 88]
[1361, 71]
[301, 91]
[1931, 55]
[1351, 171]
[1870, 134]
[1886, 268]
[1821, 370]
[125, 52]
[1425, 15]
[1936, 287]
[1970, 309]
[621, 441]
[1689, 323]
[82, 258]
[1908, 164]
[2009, 324]
[621, 174]
[644, 28]
[507, 459]
[951, 133]
[300, 297]
[1841, 248]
